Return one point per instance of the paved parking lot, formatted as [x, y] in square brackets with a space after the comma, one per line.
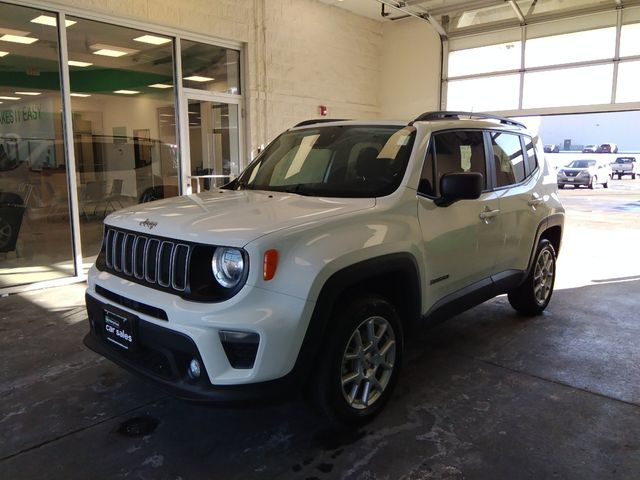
[486, 395]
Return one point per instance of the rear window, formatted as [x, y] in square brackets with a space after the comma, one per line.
[625, 160]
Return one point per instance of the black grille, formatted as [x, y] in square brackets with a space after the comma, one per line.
[142, 258]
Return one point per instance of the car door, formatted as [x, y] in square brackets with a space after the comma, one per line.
[521, 197]
[459, 239]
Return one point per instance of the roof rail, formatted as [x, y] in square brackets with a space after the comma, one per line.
[318, 120]
[445, 115]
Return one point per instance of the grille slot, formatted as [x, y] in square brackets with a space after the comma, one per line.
[151, 260]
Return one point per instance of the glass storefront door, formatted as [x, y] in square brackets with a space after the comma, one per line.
[214, 143]
[35, 229]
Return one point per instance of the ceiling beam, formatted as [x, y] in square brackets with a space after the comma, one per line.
[516, 9]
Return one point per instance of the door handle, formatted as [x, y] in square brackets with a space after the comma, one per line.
[487, 214]
[535, 200]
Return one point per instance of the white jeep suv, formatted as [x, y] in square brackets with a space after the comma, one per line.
[308, 271]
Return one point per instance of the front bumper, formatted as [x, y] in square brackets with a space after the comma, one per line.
[170, 332]
[163, 356]
[574, 180]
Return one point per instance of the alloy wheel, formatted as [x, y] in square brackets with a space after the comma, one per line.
[543, 276]
[368, 362]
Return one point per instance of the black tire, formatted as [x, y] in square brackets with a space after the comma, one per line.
[561, 186]
[526, 299]
[606, 184]
[633, 176]
[592, 182]
[328, 389]
[619, 177]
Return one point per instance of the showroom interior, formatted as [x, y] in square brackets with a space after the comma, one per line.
[109, 104]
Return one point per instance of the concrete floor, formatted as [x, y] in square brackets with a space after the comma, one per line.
[487, 395]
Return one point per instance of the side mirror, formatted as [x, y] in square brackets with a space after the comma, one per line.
[459, 186]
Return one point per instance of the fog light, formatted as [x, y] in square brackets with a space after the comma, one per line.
[194, 369]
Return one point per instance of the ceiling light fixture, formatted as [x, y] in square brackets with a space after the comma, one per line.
[198, 78]
[9, 98]
[111, 51]
[29, 94]
[75, 63]
[152, 39]
[51, 21]
[126, 92]
[161, 85]
[81, 95]
[18, 39]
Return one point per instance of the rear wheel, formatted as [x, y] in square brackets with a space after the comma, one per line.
[359, 368]
[533, 296]
[592, 182]
[619, 176]
[561, 186]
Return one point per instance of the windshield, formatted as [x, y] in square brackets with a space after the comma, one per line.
[582, 164]
[342, 161]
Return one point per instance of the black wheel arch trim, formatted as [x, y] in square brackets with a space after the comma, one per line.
[554, 220]
[346, 279]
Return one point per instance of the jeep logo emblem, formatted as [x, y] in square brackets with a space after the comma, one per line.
[149, 224]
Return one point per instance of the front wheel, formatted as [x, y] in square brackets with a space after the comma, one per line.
[359, 368]
[533, 296]
[592, 182]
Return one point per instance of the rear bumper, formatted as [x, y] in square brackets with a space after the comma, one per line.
[163, 355]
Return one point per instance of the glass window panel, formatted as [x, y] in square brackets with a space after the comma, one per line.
[491, 58]
[123, 106]
[627, 89]
[457, 152]
[570, 47]
[211, 68]
[35, 230]
[507, 155]
[630, 40]
[532, 162]
[484, 94]
[569, 86]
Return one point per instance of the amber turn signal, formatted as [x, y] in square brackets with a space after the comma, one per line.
[270, 264]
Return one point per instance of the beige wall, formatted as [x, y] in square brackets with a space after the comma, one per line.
[303, 53]
[410, 77]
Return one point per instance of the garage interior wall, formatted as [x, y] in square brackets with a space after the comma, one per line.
[410, 76]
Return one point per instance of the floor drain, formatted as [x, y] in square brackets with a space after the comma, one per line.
[138, 426]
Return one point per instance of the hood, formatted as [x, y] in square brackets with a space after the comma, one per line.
[232, 218]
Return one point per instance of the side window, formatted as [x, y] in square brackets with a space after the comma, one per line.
[507, 155]
[531, 162]
[452, 152]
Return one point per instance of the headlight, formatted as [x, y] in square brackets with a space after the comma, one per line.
[560, 172]
[227, 266]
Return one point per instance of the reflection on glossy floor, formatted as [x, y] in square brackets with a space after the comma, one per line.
[486, 395]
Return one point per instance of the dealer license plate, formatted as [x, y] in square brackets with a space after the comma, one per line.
[570, 179]
[119, 329]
